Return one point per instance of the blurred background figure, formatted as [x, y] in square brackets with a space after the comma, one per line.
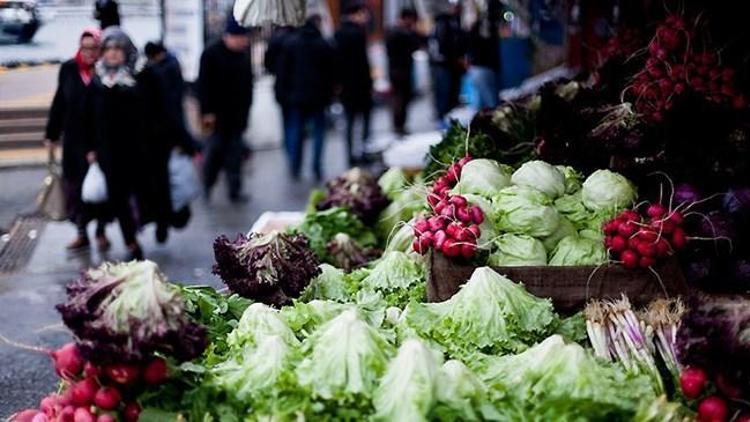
[306, 78]
[115, 115]
[484, 56]
[67, 120]
[162, 88]
[225, 92]
[447, 49]
[401, 43]
[107, 12]
[355, 77]
[276, 44]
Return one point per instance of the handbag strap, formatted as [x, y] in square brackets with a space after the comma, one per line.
[51, 159]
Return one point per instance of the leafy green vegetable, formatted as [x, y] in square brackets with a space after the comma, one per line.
[257, 322]
[608, 191]
[461, 395]
[564, 229]
[345, 358]
[573, 179]
[397, 276]
[392, 182]
[558, 381]
[523, 210]
[329, 285]
[541, 176]
[402, 239]
[576, 250]
[408, 390]
[321, 227]
[483, 177]
[517, 250]
[490, 313]
[404, 207]
[217, 312]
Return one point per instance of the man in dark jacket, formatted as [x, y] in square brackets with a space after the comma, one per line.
[354, 76]
[447, 48]
[401, 43]
[107, 12]
[306, 77]
[225, 91]
[276, 45]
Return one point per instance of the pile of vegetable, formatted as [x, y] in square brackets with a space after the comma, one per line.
[357, 191]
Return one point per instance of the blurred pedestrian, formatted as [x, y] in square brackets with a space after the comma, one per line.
[447, 48]
[354, 77]
[107, 12]
[162, 87]
[225, 91]
[306, 78]
[115, 119]
[401, 43]
[484, 57]
[67, 120]
[276, 44]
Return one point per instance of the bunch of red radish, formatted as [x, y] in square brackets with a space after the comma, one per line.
[674, 66]
[640, 241]
[446, 182]
[93, 393]
[695, 386]
[453, 227]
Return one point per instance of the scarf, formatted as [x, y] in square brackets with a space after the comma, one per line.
[85, 70]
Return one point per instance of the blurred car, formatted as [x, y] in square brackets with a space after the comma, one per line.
[19, 20]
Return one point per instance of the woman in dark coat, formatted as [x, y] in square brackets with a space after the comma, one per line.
[67, 121]
[116, 130]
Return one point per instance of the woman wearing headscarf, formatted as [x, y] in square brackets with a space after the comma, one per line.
[116, 128]
[67, 122]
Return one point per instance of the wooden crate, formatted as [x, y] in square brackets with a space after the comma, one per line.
[568, 287]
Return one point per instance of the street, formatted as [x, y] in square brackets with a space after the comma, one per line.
[28, 295]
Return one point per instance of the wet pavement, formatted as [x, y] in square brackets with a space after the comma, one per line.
[27, 298]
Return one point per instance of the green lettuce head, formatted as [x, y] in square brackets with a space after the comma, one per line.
[517, 250]
[607, 191]
[522, 210]
[541, 176]
[483, 177]
[573, 179]
[576, 250]
[329, 285]
[564, 229]
[392, 182]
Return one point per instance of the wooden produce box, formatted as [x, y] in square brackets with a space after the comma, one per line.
[568, 287]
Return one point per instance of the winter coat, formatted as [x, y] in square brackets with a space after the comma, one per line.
[306, 73]
[447, 45]
[354, 70]
[107, 12]
[276, 45]
[225, 87]
[401, 45]
[484, 45]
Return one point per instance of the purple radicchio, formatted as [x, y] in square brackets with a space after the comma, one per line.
[358, 191]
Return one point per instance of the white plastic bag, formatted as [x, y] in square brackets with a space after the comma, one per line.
[183, 180]
[94, 189]
[262, 12]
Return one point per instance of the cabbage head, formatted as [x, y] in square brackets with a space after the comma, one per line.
[573, 179]
[541, 176]
[484, 177]
[523, 210]
[607, 191]
[517, 250]
[564, 229]
[576, 250]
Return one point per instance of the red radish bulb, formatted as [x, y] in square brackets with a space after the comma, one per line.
[156, 371]
[440, 207]
[90, 370]
[82, 393]
[477, 215]
[417, 247]
[122, 373]
[451, 249]
[421, 226]
[458, 201]
[440, 238]
[107, 398]
[83, 414]
[104, 417]
[739, 102]
[727, 388]
[619, 244]
[453, 229]
[47, 405]
[67, 414]
[662, 248]
[678, 239]
[449, 211]
[475, 231]
[436, 223]
[629, 259]
[656, 210]
[712, 409]
[468, 250]
[24, 415]
[131, 412]
[40, 417]
[693, 382]
[646, 262]
[676, 218]
[68, 361]
[464, 215]
[627, 229]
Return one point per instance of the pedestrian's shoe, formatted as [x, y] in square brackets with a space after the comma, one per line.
[102, 243]
[135, 253]
[80, 243]
[162, 233]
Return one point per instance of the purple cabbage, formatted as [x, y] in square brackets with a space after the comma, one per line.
[126, 312]
[272, 268]
[359, 192]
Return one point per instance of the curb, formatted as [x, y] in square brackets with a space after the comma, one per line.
[20, 66]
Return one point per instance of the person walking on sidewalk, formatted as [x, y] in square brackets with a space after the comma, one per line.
[115, 119]
[67, 119]
[447, 59]
[276, 45]
[225, 93]
[306, 78]
[107, 12]
[401, 43]
[354, 77]
[484, 57]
